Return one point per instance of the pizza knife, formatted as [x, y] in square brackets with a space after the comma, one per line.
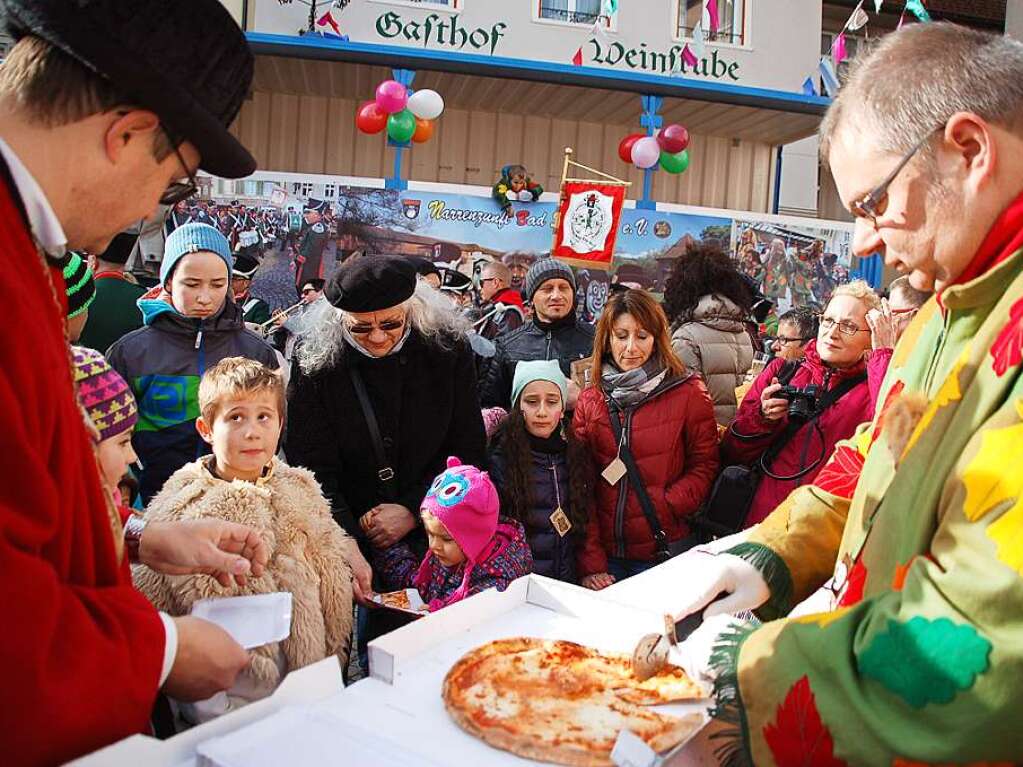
[651, 653]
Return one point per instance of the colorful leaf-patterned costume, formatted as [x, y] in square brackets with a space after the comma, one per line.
[921, 662]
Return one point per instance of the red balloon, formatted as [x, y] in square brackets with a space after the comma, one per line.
[625, 147]
[370, 119]
[424, 130]
[673, 138]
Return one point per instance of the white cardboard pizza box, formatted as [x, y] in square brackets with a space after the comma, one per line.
[306, 685]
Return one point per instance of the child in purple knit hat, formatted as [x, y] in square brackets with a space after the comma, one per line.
[110, 406]
[472, 548]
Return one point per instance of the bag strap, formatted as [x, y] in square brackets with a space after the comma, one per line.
[385, 474]
[636, 479]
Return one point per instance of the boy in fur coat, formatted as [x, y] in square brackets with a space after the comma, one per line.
[242, 405]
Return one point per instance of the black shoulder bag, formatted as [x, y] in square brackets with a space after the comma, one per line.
[665, 549]
[386, 480]
[732, 493]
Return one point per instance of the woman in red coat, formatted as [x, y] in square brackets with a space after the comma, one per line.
[668, 424]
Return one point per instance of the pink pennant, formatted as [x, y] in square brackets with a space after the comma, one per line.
[689, 57]
[838, 54]
[902, 18]
[712, 12]
[327, 20]
[577, 60]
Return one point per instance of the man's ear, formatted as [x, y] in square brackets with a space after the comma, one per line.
[204, 429]
[130, 130]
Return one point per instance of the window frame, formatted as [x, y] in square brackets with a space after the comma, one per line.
[609, 25]
[456, 6]
[747, 36]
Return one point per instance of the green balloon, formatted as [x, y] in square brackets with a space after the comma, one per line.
[401, 126]
[675, 163]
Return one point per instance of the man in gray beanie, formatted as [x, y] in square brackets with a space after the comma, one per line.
[555, 333]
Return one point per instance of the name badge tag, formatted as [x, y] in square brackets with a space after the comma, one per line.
[562, 524]
[614, 471]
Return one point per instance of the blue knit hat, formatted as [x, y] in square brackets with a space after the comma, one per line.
[538, 370]
[193, 238]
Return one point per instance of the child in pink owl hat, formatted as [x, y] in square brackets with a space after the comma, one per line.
[472, 547]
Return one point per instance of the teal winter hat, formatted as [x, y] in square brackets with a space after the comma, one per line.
[538, 370]
[193, 238]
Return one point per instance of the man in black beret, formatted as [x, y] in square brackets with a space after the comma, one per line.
[107, 109]
[312, 240]
[115, 311]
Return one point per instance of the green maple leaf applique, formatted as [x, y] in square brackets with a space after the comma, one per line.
[926, 661]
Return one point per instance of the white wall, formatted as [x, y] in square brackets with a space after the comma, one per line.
[799, 183]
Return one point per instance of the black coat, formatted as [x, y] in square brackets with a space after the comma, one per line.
[425, 402]
[553, 554]
[565, 341]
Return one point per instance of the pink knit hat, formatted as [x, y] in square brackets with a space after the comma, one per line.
[465, 501]
[103, 393]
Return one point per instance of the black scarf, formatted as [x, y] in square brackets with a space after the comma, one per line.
[550, 445]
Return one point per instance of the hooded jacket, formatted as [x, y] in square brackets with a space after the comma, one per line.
[163, 362]
[714, 343]
[750, 434]
[307, 559]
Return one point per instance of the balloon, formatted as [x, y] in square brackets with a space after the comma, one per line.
[625, 147]
[401, 126]
[369, 118]
[673, 138]
[645, 152]
[675, 163]
[391, 96]
[424, 130]
[426, 104]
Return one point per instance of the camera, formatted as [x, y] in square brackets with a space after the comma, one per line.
[802, 401]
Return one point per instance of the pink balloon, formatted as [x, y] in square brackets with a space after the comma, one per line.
[392, 96]
[646, 152]
[673, 138]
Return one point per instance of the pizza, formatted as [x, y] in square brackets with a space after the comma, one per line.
[397, 599]
[561, 702]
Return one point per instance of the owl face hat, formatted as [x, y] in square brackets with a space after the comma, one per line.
[465, 501]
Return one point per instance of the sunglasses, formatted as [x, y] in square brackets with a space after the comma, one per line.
[307, 291]
[364, 329]
[875, 203]
[179, 190]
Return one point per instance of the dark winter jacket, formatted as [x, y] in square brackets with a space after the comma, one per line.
[553, 554]
[163, 362]
[673, 438]
[114, 313]
[566, 341]
[750, 434]
[424, 398]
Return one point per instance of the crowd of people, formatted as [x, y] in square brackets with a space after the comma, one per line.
[417, 439]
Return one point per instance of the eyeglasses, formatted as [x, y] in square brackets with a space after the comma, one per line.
[307, 291]
[179, 190]
[784, 340]
[875, 203]
[845, 327]
[485, 280]
[364, 328]
[907, 310]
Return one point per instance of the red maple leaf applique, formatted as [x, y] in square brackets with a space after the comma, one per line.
[893, 394]
[1007, 350]
[842, 472]
[853, 592]
[798, 737]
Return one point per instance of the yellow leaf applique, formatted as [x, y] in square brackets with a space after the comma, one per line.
[1007, 533]
[908, 342]
[824, 619]
[948, 393]
[994, 476]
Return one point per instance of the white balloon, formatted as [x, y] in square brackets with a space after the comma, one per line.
[646, 152]
[426, 104]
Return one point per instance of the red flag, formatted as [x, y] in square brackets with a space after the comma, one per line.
[588, 219]
[712, 11]
[327, 20]
[689, 57]
[578, 58]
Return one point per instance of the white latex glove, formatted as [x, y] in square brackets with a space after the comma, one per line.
[694, 654]
[715, 573]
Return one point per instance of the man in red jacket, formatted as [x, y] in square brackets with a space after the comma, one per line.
[96, 127]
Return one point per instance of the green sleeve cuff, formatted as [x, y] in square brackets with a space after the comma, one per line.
[776, 574]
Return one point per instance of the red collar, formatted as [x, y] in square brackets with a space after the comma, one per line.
[108, 273]
[1004, 239]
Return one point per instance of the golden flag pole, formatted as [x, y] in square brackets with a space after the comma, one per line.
[561, 194]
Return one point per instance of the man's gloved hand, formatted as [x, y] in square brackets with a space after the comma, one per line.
[712, 574]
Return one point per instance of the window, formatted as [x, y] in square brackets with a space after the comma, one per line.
[251, 188]
[329, 191]
[306, 191]
[584, 12]
[731, 20]
[454, 5]
[853, 47]
[296, 188]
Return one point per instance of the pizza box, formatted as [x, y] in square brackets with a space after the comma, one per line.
[306, 685]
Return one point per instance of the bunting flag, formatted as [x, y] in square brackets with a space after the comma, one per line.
[838, 54]
[809, 88]
[588, 220]
[712, 13]
[688, 56]
[327, 20]
[828, 77]
[902, 20]
[877, 6]
[577, 60]
[699, 45]
[858, 19]
[609, 8]
[916, 7]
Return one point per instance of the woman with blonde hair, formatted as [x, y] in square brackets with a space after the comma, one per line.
[649, 426]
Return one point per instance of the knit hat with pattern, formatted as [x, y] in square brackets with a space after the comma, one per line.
[78, 283]
[103, 393]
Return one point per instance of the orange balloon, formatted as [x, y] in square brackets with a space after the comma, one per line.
[424, 130]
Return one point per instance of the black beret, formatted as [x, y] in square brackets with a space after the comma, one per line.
[424, 266]
[120, 248]
[454, 280]
[371, 283]
[188, 62]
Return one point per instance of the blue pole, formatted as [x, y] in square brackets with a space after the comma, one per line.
[652, 122]
[405, 77]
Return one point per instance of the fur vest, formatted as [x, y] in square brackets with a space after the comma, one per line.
[307, 558]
